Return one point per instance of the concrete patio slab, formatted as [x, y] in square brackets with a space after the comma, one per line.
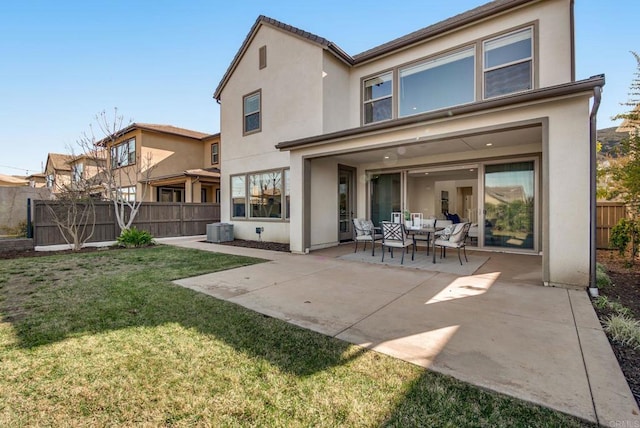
[498, 328]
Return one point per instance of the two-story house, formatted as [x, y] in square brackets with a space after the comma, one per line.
[480, 114]
[163, 163]
[57, 172]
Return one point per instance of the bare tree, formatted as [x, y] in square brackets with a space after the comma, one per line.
[125, 169]
[73, 210]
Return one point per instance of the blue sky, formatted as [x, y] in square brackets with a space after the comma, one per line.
[160, 61]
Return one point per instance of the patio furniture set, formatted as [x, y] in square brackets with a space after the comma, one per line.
[404, 234]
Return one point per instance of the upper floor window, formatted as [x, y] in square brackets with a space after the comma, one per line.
[76, 172]
[251, 111]
[214, 154]
[378, 98]
[508, 63]
[123, 154]
[438, 83]
[51, 181]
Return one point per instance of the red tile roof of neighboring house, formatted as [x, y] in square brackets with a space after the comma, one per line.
[455, 22]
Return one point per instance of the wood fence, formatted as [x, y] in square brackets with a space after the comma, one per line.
[158, 218]
[607, 214]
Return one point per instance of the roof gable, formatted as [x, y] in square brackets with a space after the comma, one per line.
[59, 162]
[305, 35]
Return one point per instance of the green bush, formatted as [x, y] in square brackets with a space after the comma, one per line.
[623, 329]
[625, 236]
[135, 238]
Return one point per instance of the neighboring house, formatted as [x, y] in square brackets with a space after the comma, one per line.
[87, 173]
[57, 172]
[443, 116]
[37, 180]
[178, 171]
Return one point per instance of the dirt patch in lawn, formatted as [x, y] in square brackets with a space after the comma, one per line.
[625, 289]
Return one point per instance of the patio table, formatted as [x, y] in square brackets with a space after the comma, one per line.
[426, 230]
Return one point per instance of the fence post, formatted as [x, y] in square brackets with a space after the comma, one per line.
[29, 225]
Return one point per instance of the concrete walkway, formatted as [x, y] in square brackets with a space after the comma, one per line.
[494, 329]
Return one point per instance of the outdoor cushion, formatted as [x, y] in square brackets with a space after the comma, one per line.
[456, 234]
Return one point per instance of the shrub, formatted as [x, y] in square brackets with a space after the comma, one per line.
[19, 231]
[134, 237]
[601, 302]
[625, 236]
[623, 329]
[602, 279]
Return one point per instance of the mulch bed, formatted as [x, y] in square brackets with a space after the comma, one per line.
[625, 290]
[262, 245]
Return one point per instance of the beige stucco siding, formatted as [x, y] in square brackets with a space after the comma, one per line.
[335, 96]
[170, 154]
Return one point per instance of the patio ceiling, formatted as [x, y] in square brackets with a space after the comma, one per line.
[401, 150]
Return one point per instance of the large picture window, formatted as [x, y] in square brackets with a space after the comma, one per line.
[378, 98]
[123, 154]
[260, 195]
[251, 112]
[438, 83]
[508, 64]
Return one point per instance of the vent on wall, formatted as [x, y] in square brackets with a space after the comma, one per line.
[262, 57]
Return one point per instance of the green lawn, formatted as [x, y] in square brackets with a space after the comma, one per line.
[105, 339]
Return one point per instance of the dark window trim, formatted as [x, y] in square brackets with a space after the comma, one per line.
[247, 217]
[535, 63]
[244, 114]
[479, 69]
[115, 147]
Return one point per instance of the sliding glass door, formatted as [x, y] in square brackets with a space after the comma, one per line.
[385, 196]
[509, 205]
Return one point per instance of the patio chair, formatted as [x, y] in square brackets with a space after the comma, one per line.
[393, 236]
[457, 239]
[397, 217]
[364, 231]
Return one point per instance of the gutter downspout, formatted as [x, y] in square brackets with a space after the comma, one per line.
[597, 95]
